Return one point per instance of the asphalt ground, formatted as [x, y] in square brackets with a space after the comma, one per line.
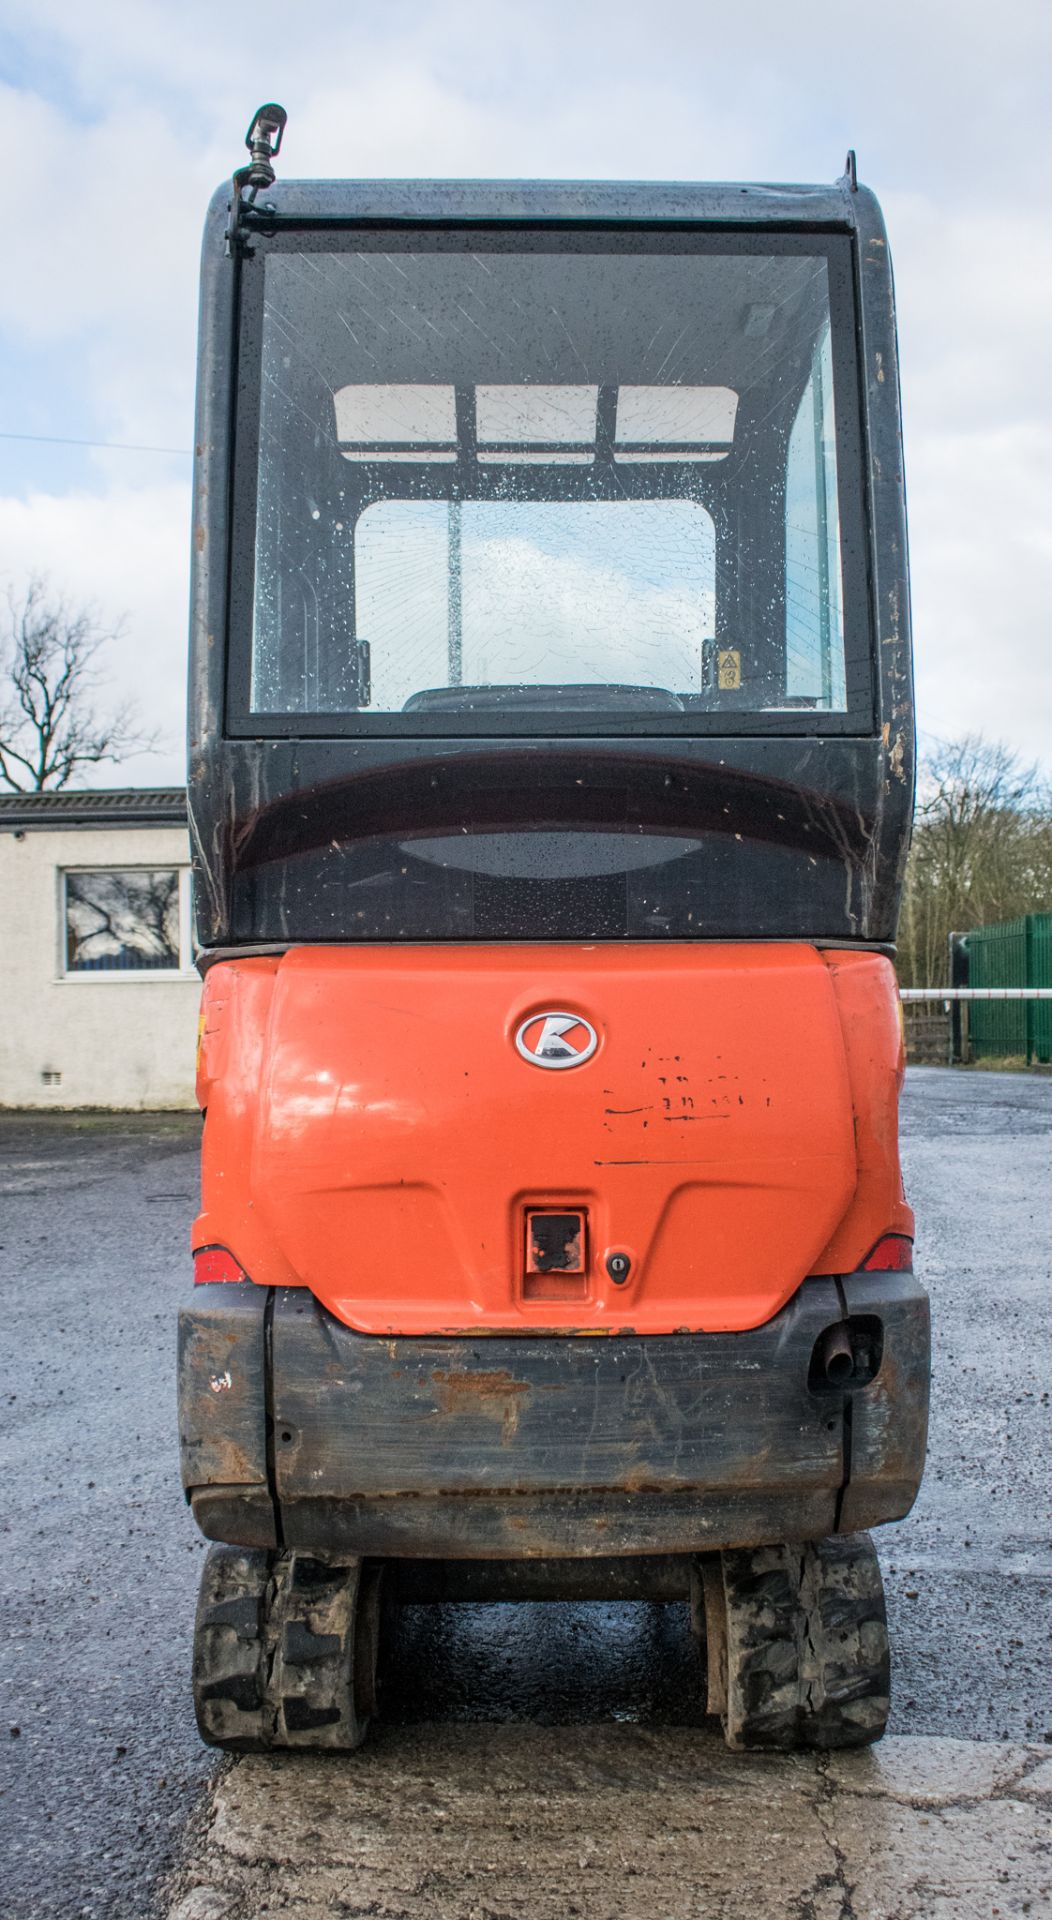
[582, 1711]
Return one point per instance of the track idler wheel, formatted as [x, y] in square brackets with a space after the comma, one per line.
[285, 1651]
[797, 1643]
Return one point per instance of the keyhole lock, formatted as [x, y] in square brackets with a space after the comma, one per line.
[618, 1266]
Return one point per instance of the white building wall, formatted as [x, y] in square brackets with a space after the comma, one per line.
[116, 1039]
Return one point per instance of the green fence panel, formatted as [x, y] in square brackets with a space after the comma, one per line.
[1041, 976]
[997, 958]
[1013, 953]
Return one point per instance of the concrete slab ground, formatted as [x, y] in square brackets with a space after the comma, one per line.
[625, 1823]
[532, 1760]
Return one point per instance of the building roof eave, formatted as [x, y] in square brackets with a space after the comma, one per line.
[99, 807]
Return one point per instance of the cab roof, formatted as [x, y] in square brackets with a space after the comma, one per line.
[838, 206]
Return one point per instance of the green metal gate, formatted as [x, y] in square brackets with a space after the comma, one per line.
[1040, 967]
[1013, 953]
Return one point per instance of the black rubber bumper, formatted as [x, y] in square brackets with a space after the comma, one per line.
[296, 1431]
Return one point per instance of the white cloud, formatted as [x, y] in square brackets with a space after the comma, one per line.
[127, 553]
[982, 560]
[143, 109]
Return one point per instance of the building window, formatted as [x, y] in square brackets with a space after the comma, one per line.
[121, 920]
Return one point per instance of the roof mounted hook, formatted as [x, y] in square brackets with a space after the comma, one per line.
[263, 141]
[850, 173]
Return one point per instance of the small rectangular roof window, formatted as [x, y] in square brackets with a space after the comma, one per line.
[674, 423]
[396, 422]
[536, 424]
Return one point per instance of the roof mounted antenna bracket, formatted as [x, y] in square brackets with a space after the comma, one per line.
[263, 141]
[851, 171]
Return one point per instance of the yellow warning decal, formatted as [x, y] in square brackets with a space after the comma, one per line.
[729, 668]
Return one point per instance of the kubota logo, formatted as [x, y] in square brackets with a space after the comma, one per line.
[556, 1040]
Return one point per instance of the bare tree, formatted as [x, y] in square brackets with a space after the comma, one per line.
[49, 725]
[982, 850]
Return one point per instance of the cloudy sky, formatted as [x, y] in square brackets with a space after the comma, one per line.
[120, 117]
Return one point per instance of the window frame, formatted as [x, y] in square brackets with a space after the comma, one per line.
[838, 248]
[187, 968]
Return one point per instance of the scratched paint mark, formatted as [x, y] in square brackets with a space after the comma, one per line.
[495, 1396]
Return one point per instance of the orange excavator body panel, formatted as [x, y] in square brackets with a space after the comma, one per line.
[375, 1133]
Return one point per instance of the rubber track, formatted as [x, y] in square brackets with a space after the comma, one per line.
[274, 1653]
[808, 1662]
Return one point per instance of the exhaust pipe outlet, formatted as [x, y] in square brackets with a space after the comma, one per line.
[836, 1356]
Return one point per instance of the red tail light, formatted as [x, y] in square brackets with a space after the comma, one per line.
[892, 1254]
[215, 1263]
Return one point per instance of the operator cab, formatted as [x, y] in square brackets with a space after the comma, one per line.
[566, 567]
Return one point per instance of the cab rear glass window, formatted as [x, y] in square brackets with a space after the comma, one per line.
[541, 481]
